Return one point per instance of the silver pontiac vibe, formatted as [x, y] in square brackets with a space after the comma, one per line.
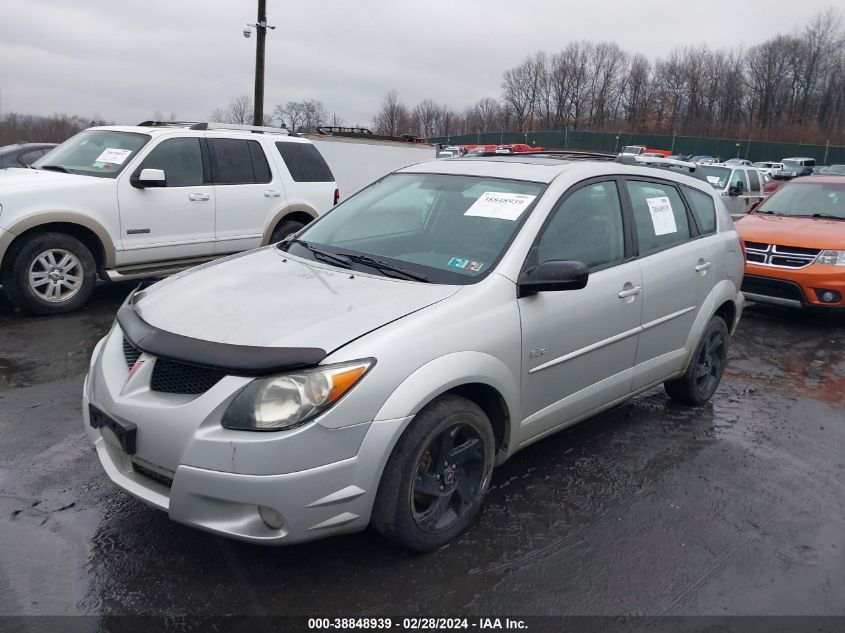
[373, 368]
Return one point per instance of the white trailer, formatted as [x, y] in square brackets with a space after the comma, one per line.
[359, 158]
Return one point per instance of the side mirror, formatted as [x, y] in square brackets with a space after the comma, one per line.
[736, 190]
[150, 178]
[553, 276]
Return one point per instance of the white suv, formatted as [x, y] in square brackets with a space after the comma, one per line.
[129, 202]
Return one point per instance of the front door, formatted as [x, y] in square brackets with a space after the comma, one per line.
[579, 346]
[171, 222]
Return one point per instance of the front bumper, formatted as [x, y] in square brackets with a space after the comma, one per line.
[321, 481]
[794, 288]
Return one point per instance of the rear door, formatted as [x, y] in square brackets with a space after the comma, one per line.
[677, 268]
[579, 346]
[248, 192]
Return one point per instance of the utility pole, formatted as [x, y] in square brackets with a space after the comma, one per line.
[260, 34]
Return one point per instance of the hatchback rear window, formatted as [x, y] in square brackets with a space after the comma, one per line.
[304, 162]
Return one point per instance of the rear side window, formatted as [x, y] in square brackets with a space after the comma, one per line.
[703, 209]
[237, 162]
[304, 162]
[753, 180]
[659, 214]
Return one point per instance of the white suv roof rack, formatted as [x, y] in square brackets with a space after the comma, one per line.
[197, 125]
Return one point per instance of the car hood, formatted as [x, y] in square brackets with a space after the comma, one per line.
[802, 232]
[267, 298]
[13, 179]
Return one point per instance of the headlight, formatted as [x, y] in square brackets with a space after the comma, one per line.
[831, 258]
[288, 400]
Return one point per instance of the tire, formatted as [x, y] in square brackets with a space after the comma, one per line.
[62, 269]
[285, 228]
[423, 508]
[704, 373]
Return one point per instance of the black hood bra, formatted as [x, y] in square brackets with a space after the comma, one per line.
[241, 360]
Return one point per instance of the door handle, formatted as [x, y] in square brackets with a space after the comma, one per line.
[703, 266]
[272, 193]
[630, 292]
[199, 197]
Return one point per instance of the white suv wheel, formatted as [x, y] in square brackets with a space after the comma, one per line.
[55, 275]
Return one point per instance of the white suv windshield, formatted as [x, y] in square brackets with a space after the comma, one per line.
[102, 153]
[447, 228]
[716, 176]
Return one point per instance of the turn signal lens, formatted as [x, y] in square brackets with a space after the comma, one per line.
[283, 402]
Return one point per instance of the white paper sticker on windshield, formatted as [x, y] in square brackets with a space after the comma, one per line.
[500, 206]
[114, 156]
[661, 215]
[713, 180]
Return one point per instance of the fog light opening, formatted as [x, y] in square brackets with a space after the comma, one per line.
[828, 296]
[271, 518]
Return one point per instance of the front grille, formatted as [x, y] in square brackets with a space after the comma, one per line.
[779, 256]
[772, 288]
[156, 476]
[130, 353]
[170, 376]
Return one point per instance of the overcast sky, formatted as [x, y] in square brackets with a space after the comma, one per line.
[124, 60]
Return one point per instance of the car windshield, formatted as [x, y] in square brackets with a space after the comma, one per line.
[632, 149]
[717, 176]
[102, 153]
[446, 228]
[807, 200]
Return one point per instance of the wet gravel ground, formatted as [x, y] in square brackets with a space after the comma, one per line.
[652, 508]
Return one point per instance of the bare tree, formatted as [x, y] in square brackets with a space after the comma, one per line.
[239, 111]
[393, 118]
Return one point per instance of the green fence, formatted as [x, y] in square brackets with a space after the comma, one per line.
[612, 142]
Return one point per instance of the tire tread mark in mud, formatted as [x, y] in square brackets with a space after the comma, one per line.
[715, 566]
[562, 542]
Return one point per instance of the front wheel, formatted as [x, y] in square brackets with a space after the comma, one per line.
[699, 382]
[435, 480]
[49, 273]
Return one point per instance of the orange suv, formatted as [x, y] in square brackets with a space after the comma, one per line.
[795, 245]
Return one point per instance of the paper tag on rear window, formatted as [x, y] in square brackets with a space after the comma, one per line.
[661, 215]
[114, 156]
[500, 206]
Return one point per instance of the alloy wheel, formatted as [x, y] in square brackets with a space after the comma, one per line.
[55, 275]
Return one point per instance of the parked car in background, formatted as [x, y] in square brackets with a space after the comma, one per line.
[795, 243]
[798, 162]
[740, 162]
[23, 154]
[767, 167]
[706, 160]
[639, 150]
[789, 172]
[284, 395]
[132, 202]
[681, 157]
[739, 187]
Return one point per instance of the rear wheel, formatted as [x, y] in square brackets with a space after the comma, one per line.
[285, 228]
[705, 370]
[435, 480]
[49, 273]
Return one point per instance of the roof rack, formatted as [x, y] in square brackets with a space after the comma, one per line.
[257, 129]
[653, 161]
[166, 123]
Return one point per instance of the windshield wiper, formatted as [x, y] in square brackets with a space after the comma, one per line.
[770, 212]
[64, 170]
[826, 216]
[386, 267]
[320, 254]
